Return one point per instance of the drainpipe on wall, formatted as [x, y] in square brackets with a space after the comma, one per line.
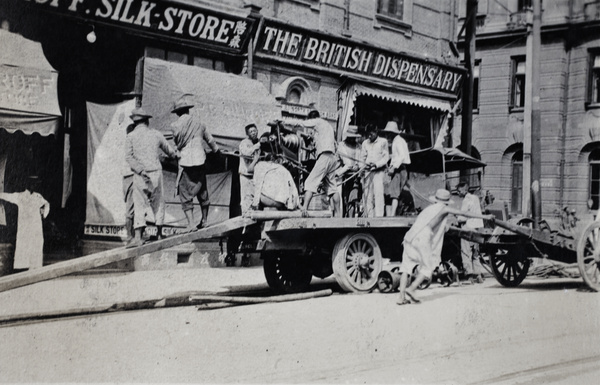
[565, 108]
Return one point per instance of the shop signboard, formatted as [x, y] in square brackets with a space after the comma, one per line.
[170, 19]
[288, 43]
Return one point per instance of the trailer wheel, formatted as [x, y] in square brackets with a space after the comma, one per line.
[510, 267]
[287, 274]
[357, 262]
[588, 255]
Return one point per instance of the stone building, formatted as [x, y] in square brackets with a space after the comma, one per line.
[569, 67]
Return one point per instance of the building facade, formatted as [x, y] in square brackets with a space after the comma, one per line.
[568, 66]
[356, 61]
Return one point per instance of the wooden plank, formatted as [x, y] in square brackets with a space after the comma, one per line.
[272, 214]
[119, 254]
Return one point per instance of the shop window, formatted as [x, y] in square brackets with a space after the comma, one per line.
[294, 95]
[517, 99]
[523, 5]
[594, 196]
[594, 79]
[177, 57]
[516, 187]
[394, 13]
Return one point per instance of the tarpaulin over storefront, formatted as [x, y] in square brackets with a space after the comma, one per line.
[28, 87]
[437, 160]
[106, 165]
[226, 103]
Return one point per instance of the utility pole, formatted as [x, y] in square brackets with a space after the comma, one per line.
[532, 169]
[467, 89]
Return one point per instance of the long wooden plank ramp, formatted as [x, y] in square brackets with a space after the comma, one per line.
[114, 255]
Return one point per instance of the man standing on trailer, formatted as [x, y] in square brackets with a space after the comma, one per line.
[397, 169]
[188, 134]
[326, 164]
[249, 148]
[375, 155]
[470, 250]
[349, 157]
[423, 243]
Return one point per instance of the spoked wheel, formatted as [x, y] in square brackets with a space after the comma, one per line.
[287, 274]
[510, 267]
[357, 262]
[588, 256]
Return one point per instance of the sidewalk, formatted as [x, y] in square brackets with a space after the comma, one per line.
[96, 290]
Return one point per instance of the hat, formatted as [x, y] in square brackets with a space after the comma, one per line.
[441, 196]
[182, 102]
[391, 127]
[352, 132]
[139, 114]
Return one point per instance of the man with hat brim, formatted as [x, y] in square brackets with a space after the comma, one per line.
[188, 134]
[144, 147]
[348, 152]
[423, 243]
[400, 159]
[375, 156]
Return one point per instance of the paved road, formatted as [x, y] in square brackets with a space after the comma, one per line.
[544, 331]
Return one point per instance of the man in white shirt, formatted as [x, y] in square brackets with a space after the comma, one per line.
[249, 148]
[397, 168]
[375, 155]
[470, 250]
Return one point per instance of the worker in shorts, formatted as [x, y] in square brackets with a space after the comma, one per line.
[423, 243]
[469, 251]
[323, 136]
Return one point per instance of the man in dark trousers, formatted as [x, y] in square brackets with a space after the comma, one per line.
[144, 146]
[188, 135]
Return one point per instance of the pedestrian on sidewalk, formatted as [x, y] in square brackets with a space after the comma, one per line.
[423, 243]
[188, 134]
[144, 146]
[470, 250]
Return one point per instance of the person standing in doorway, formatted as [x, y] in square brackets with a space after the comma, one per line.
[396, 170]
[188, 134]
[144, 146]
[375, 155]
[470, 250]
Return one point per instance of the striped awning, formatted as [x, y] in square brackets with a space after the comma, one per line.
[403, 97]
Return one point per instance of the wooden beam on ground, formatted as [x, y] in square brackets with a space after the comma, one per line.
[119, 254]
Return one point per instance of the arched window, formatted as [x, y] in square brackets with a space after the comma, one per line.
[294, 95]
[594, 195]
[516, 184]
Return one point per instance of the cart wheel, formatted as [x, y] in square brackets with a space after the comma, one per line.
[357, 262]
[588, 255]
[510, 267]
[425, 284]
[287, 274]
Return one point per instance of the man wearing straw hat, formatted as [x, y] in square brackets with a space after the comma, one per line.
[348, 152]
[400, 158]
[144, 146]
[423, 243]
[188, 135]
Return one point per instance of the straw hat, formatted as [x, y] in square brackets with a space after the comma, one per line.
[392, 128]
[139, 114]
[352, 132]
[182, 103]
[442, 196]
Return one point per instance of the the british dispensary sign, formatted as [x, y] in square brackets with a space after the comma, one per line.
[173, 19]
[282, 41]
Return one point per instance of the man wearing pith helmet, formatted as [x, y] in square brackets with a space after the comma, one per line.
[188, 134]
[144, 146]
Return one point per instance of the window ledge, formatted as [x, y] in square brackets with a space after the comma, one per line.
[476, 110]
[592, 106]
[391, 23]
[516, 109]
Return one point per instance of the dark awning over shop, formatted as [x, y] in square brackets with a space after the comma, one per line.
[28, 90]
[225, 102]
[437, 160]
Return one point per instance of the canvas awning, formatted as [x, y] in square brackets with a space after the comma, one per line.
[226, 103]
[28, 90]
[436, 160]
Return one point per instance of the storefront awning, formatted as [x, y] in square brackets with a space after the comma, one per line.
[226, 103]
[436, 160]
[402, 97]
[28, 90]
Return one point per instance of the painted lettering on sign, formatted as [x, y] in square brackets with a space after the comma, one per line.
[164, 18]
[28, 89]
[342, 54]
